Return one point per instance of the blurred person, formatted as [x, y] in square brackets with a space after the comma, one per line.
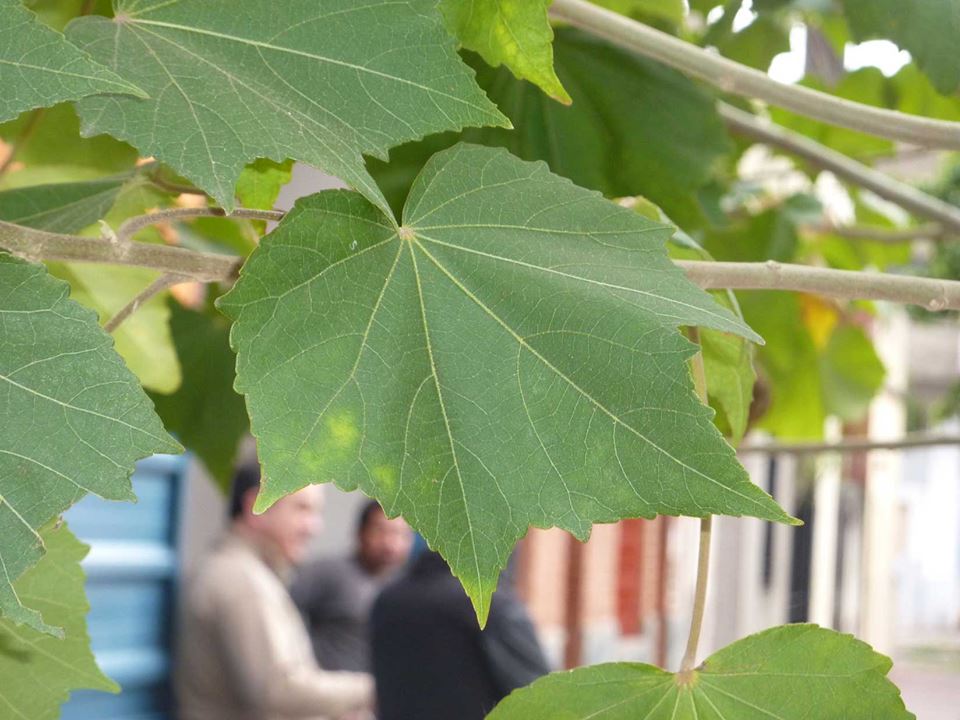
[243, 652]
[431, 661]
[335, 595]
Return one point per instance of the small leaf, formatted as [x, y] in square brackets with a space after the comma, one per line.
[794, 672]
[73, 419]
[40, 671]
[39, 68]
[143, 340]
[205, 413]
[261, 181]
[317, 82]
[50, 149]
[851, 373]
[515, 33]
[509, 357]
[62, 207]
[927, 29]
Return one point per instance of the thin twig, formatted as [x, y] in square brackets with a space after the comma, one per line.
[162, 283]
[134, 225]
[703, 561]
[16, 145]
[909, 198]
[886, 236]
[851, 445]
[934, 295]
[732, 77]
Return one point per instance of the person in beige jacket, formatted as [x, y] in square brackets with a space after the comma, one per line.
[243, 650]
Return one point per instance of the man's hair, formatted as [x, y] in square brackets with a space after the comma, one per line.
[366, 515]
[247, 478]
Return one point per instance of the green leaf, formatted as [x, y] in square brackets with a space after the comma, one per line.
[810, 378]
[789, 363]
[928, 29]
[143, 340]
[40, 671]
[728, 363]
[261, 181]
[507, 358]
[73, 420]
[207, 416]
[635, 128]
[39, 68]
[851, 373]
[515, 33]
[727, 358]
[794, 672]
[321, 83]
[49, 145]
[62, 207]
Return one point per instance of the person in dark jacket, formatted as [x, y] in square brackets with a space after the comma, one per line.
[431, 661]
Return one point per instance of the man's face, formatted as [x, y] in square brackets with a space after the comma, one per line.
[384, 544]
[291, 522]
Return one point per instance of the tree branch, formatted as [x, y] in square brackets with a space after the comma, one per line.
[36, 245]
[932, 294]
[886, 236]
[157, 286]
[732, 77]
[909, 198]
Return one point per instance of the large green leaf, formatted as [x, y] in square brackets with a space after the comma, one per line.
[508, 357]
[205, 413]
[323, 81]
[73, 420]
[61, 207]
[635, 128]
[515, 33]
[39, 68]
[40, 671]
[795, 672]
[928, 29]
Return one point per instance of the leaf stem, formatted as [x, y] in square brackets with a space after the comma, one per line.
[732, 77]
[909, 198]
[157, 286]
[706, 528]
